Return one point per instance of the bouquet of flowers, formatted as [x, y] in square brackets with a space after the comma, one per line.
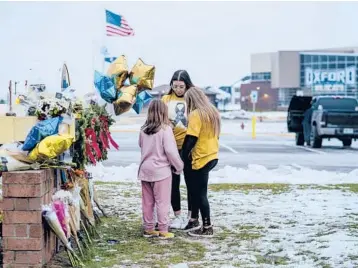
[51, 217]
[49, 108]
[70, 203]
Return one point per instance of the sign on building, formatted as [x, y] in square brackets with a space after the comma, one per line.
[330, 81]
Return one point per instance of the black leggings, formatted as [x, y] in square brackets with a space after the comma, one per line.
[175, 197]
[198, 191]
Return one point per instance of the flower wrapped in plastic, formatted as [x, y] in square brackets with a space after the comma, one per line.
[10, 163]
[76, 197]
[105, 87]
[64, 196]
[53, 222]
[70, 218]
[40, 131]
[118, 70]
[59, 207]
[51, 147]
[126, 99]
[86, 198]
[142, 75]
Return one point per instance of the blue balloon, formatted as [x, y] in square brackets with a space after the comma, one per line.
[40, 131]
[105, 87]
[142, 98]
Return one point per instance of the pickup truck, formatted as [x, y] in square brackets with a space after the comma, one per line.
[328, 117]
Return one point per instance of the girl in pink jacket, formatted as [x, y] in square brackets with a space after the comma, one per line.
[159, 158]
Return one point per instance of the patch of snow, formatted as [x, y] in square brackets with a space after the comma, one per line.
[179, 265]
[242, 114]
[301, 225]
[305, 227]
[252, 174]
[114, 174]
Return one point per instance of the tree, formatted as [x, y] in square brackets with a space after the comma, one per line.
[2, 101]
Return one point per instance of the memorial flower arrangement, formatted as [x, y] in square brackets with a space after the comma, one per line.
[72, 215]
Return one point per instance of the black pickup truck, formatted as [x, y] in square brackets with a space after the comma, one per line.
[313, 119]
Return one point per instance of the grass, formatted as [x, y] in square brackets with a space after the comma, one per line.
[275, 188]
[237, 235]
[133, 249]
[343, 187]
[271, 259]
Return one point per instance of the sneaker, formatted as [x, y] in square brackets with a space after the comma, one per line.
[150, 234]
[203, 232]
[192, 226]
[178, 223]
[166, 235]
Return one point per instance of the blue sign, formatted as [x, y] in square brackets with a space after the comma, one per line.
[254, 96]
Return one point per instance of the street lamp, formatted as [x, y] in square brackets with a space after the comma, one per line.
[10, 112]
[16, 83]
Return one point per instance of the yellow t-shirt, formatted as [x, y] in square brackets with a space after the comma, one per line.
[177, 114]
[207, 146]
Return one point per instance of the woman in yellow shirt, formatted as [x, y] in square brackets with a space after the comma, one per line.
[177, 112]
[200, 150]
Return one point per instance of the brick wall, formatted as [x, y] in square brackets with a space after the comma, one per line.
[26, 243]
[267, 97]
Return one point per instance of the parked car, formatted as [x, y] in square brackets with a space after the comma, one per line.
[329, 117]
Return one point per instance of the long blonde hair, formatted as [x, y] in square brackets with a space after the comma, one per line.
[209, 115]
[157, 117]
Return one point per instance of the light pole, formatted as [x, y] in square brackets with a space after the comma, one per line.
[10, 112]
[16, 83]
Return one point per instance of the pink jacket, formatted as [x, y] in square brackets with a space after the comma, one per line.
[159, 154]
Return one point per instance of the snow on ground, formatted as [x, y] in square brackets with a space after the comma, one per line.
[298, 227]
[251, 174]
[242, 114]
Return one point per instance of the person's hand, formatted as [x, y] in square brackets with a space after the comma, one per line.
[172, 123]
[174, 171]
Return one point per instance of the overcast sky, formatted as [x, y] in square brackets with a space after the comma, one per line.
[212, 40]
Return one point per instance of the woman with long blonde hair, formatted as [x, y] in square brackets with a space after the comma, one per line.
[200, 151]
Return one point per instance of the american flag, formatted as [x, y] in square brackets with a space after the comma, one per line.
[117, 25]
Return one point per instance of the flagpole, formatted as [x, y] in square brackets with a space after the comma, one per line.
[103, 52]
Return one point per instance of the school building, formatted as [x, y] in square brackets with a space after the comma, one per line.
[277, 76]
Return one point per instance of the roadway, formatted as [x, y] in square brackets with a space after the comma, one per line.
[273, 147]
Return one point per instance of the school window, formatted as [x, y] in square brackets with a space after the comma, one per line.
[332, 58]
[323, 58]
[307, 58]
[264, 76]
